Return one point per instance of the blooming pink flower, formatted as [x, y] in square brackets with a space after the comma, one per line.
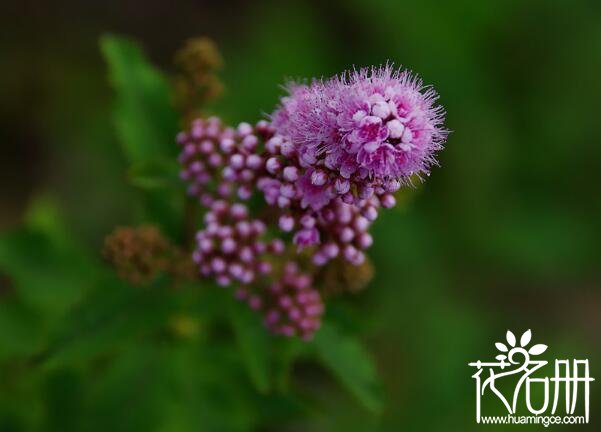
[369, 126]
[313, 195]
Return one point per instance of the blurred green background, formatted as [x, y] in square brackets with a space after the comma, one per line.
[505, 235]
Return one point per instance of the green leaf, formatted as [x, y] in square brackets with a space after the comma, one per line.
[113, 314]
[286, 351]
[209, 391]
[254, 344]
[146, 125]
[130, 391]
[144, 118]
[155, 174]
[22, 331]
[49, 269]
[348, 360]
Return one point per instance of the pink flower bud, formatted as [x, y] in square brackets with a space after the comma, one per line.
[254, 161]
[250, 142]
[365, 240]
[388, 201]
[286, 223]
[290, 173]
[244, 129]
[227, 145]
[237, 161]
[272, 165]
[318, 178]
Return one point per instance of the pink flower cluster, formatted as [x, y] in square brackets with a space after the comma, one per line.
[334, 225]
[333, 154]
[291, 306]
[221, 162]
[230, 248]
[368, 130]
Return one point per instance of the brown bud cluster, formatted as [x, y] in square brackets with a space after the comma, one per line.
[339, 277]
[196, 81]
[140, 254]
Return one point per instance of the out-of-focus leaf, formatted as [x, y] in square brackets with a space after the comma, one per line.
[144, 118]
[351, 364]
[45, 276]
[49, 269]
[130, 391]
[208, 390]
[146, 125]
[22, 331]
[112, 315]
[63, 392]
[155, 174]
[48, 272]
[286, 350]
[254, 344]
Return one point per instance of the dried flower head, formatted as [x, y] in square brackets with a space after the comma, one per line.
[339, 277]
[138, 253]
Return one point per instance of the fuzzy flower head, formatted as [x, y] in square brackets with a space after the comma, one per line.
[373, 126]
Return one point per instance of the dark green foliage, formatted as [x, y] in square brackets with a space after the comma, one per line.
[90, 352]
[506, 234]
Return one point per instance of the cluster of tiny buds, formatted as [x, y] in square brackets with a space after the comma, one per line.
[330, 216]
[315, 184]
[346, 230]
[221, 162]
[317, 213]
[290, 305]
[230, 247]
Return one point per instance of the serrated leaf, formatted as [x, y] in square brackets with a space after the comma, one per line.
[348, 360]
[510, 338]
[537, 349]
[525, 339]
[146, 125]
[254, 344]
[501, 347]
[144, 118]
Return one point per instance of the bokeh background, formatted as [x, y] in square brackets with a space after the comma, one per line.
[505, 235]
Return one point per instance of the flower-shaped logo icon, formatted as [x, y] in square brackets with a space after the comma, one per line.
[514, 360]
[515, 372]
[513, 348]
